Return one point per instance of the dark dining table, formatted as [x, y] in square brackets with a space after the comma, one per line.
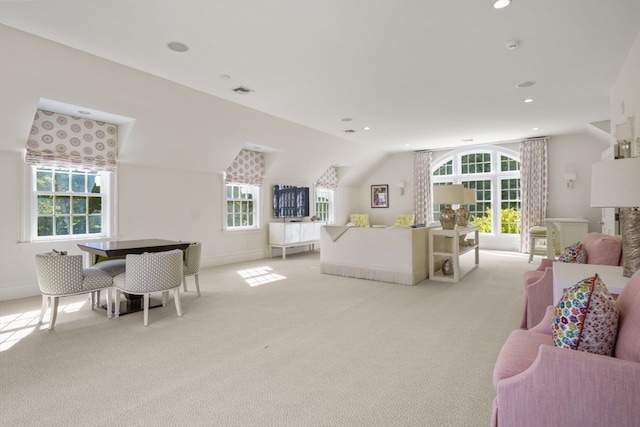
[118, 248]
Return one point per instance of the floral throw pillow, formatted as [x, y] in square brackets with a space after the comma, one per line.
[574, 253]
[360, 220]
[586, 318]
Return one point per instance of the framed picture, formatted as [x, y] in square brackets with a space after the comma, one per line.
[380, 196]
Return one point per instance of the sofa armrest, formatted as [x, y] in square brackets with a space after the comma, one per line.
[544, 326]
[544, 263]
[538, 296]
[579, 388]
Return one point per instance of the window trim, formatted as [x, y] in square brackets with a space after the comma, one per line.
[257, 209]
[30, 209]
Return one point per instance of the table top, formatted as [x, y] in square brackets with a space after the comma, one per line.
[123, 247]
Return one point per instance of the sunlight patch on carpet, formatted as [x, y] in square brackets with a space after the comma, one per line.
[260, 276]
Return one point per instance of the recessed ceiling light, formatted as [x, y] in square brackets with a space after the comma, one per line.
[177, 46]
[499, 4]
[528, 100]
[512, 44]
[525, 84]
[535, 128]
[225, 76]
[366, 128]
[406, 145]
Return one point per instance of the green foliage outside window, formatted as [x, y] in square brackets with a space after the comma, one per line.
[509, 221]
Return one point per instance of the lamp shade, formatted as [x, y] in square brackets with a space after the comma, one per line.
[469, 196]
[449, 194]
[616, 183]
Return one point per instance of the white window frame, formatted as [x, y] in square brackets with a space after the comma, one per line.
[257, 193]
[330, 196]
[495, 176]
[108, 183]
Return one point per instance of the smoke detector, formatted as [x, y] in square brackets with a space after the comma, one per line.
[513, 44]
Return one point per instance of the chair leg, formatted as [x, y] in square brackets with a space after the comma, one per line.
[184, 283]
[176, 297]
[532, 247]
[146, 309]
[165, 296]
[197, 283]
[116, 304]
[109, 296]
[54, 312]
[43, 309]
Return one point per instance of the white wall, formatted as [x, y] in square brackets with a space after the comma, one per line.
[625, 95]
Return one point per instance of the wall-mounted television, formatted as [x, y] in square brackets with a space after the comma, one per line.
[290, 201]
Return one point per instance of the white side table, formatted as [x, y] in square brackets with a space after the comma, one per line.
[451, 244]
[567, 274]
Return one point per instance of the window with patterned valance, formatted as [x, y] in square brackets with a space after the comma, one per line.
[247, 168]
[329, 179]
[59, 140]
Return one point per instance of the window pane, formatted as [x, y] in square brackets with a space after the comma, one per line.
[62, 181]
[78, 183]
[79, 224]
[44, 180]
[63, 205]
[95, 205]
[63, 225]
[446, 169]
[45, 226]
[79, 205]
[45, 205]
[95, 224]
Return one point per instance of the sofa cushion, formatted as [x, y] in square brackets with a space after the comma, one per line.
[359, 220]
[518, 353]
[628, 343]
[404, 220]
[586, 318]
[573, 254]
[602, 249]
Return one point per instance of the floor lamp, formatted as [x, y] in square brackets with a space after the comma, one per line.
[616, 184]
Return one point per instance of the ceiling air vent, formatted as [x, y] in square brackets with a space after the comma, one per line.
[242, 90]
[350, 131]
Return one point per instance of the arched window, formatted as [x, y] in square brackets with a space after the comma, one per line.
[494, 172]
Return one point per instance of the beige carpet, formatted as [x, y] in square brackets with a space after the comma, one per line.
[306, 350]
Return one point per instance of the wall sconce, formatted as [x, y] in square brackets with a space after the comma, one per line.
[569, 179]
[401, 187]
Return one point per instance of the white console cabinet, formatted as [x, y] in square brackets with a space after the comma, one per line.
[289, 234]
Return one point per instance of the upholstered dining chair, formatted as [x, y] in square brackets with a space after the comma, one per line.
[63, 275]
[192, 257]
[148, 273]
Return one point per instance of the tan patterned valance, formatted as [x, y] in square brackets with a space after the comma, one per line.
[247, 168]
[329, 179]
[59, 140]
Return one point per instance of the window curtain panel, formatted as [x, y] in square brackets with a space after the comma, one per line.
[534, 184]
[422, 205]
[329, 179]
[58, 140]
[247, 168]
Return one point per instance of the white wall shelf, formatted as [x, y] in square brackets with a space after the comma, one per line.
[452, 244]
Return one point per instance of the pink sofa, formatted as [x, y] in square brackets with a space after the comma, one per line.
[603, 249]
[538, 384]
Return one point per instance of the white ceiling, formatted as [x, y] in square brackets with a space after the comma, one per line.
[422, 74]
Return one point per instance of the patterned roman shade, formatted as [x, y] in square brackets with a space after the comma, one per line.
[329, 179]
[58, 140]
[247, 168]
